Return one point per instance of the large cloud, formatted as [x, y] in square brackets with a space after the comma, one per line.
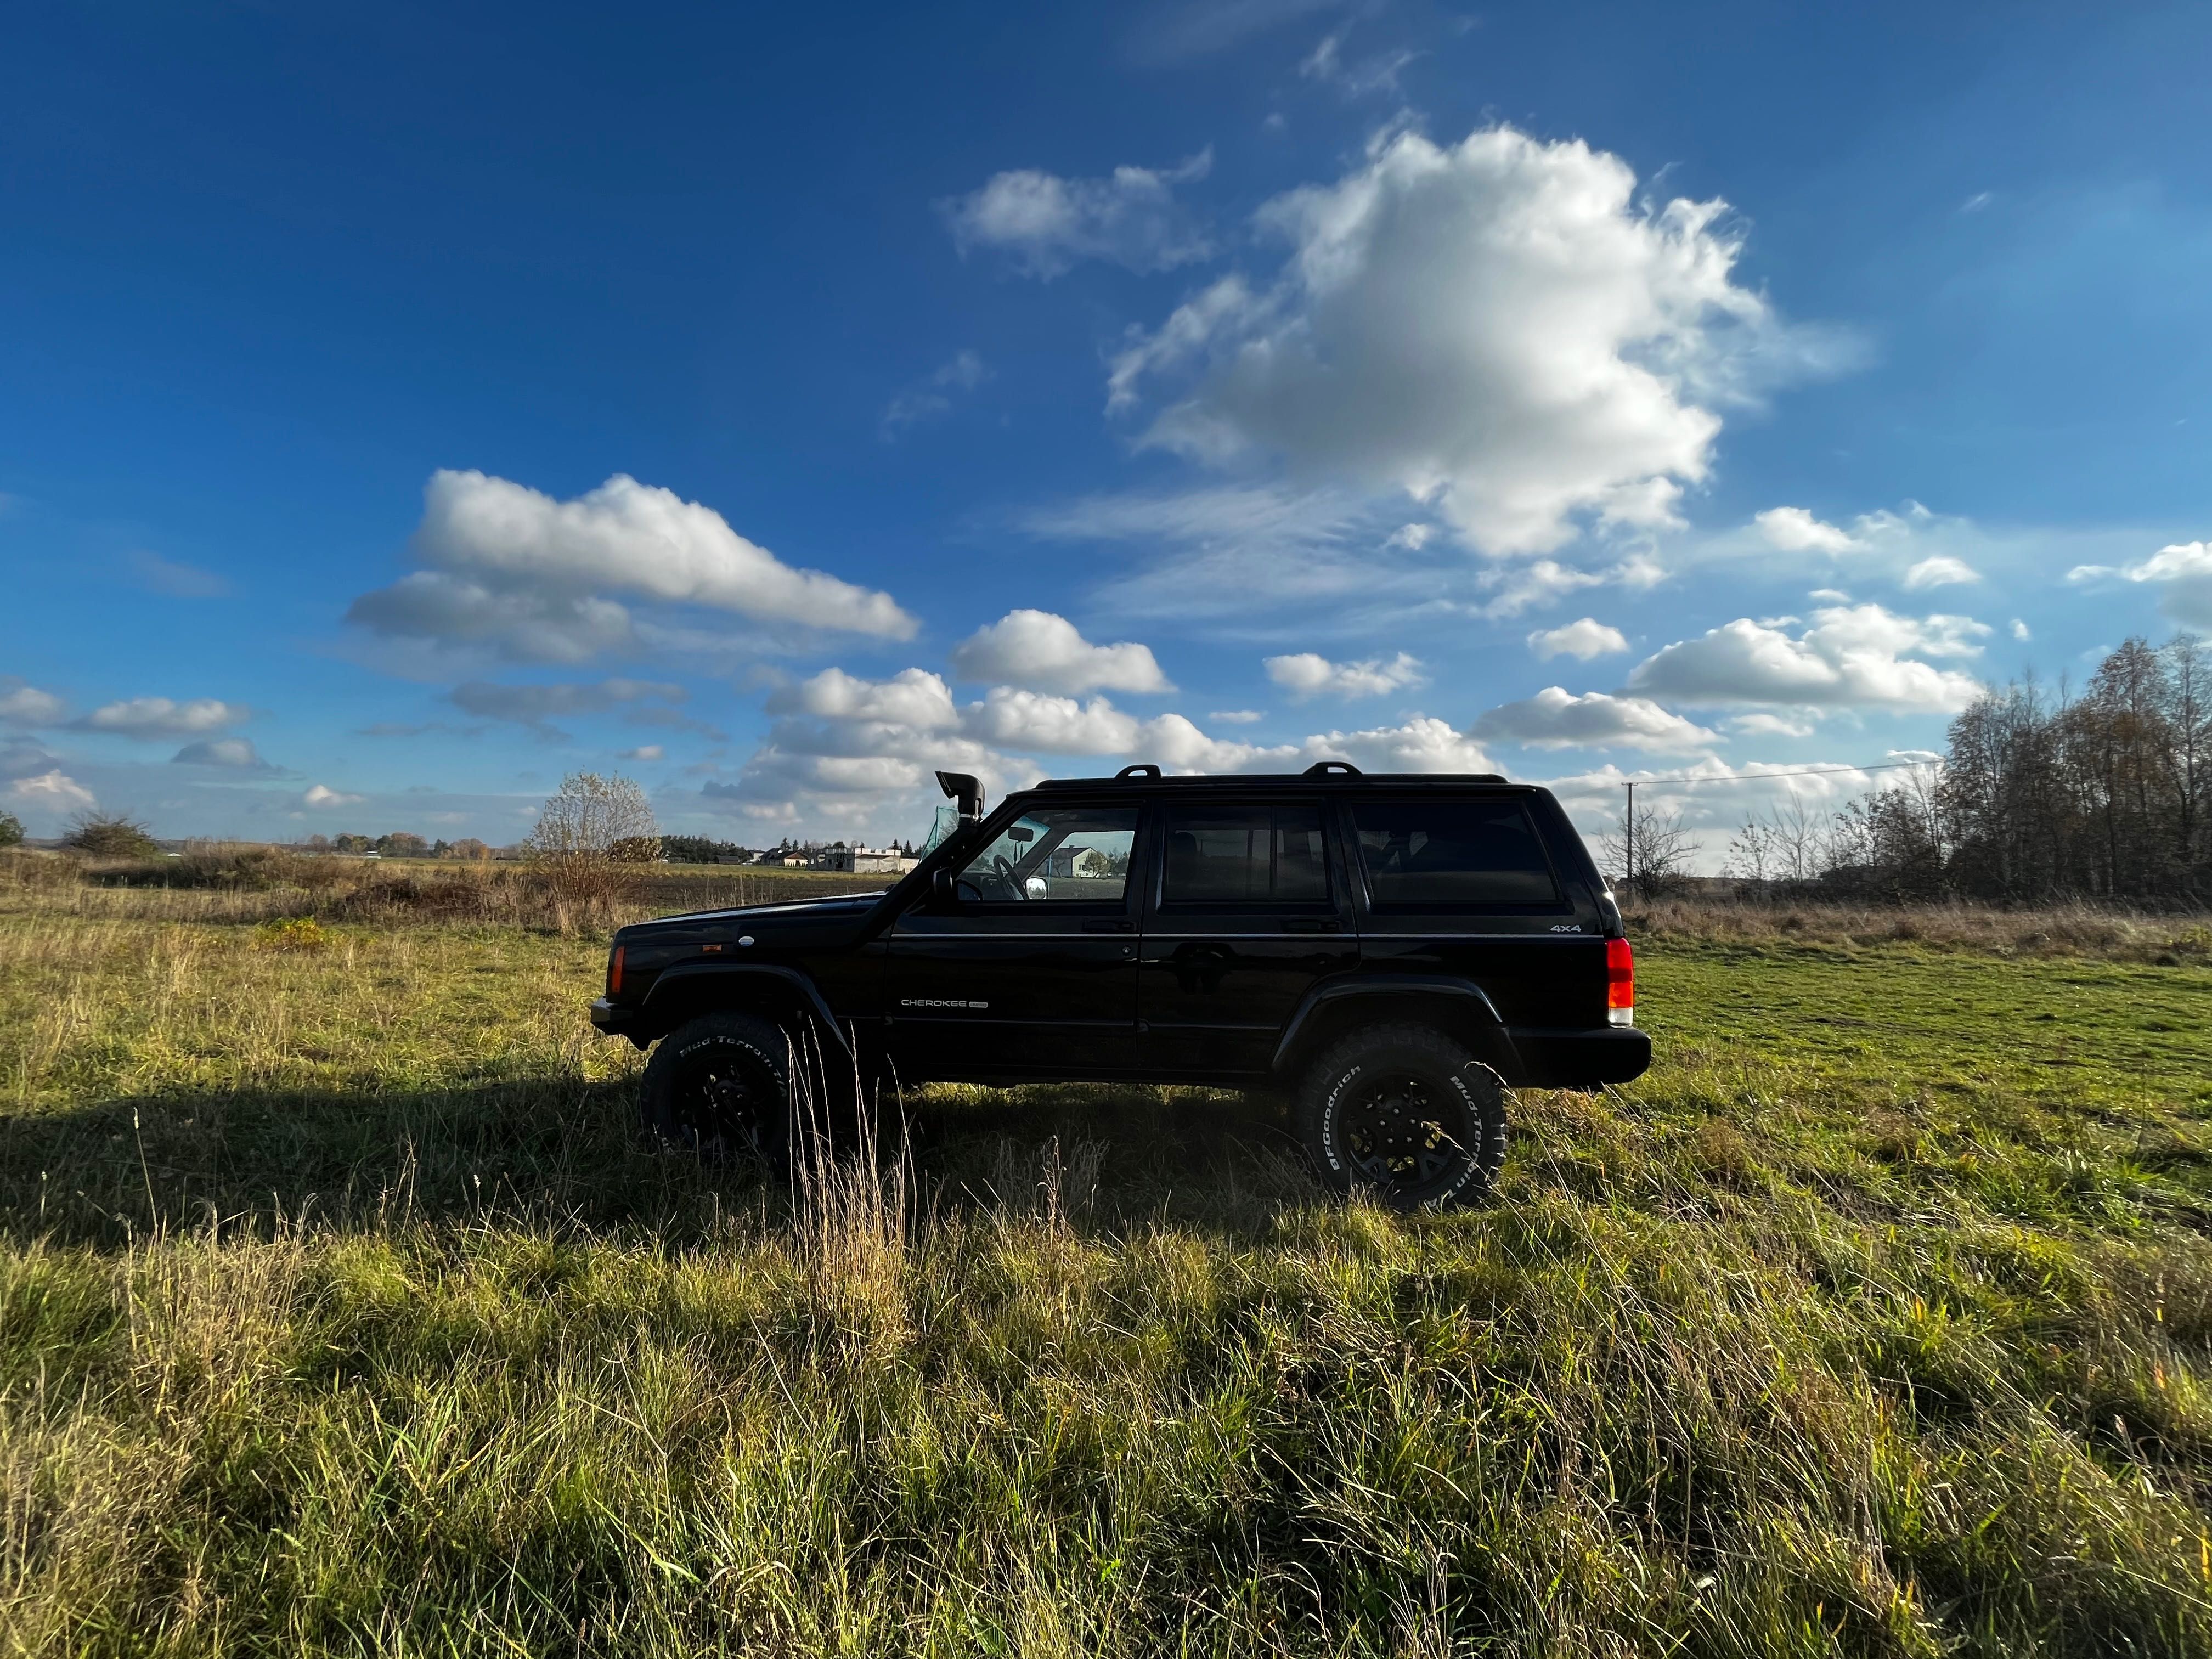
[1852, 657]
[1046, 652]
[858, 753]
[516, 570]
[1308, 674]
[1048, 224]
[1556, 719]
[1499, 328]
[162, 717]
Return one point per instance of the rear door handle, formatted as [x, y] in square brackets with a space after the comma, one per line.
[1312, 925]
[1109, 926]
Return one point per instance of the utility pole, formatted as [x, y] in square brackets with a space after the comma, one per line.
[1628, 840]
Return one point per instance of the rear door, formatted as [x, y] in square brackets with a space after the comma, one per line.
[1245, 914]
[1032, 968]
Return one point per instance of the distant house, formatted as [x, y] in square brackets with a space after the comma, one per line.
[868, 861]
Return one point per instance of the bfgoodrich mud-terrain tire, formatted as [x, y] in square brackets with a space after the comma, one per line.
[1405, 1114]
[720, 1087]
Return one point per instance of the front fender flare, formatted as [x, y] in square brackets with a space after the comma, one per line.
[810, 994]
[1466, 992]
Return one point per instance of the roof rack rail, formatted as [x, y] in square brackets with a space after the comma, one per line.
[1332, 768]
[1143, 770]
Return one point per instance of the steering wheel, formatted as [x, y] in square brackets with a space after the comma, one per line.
[1005, 871]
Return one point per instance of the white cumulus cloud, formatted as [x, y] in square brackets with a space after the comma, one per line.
[1851, 656]
[1582, 639]
[1048, 224]
[28, 705]
[54, 792]
[321, 794]
[1308, 674]
[1499, 328]
[1794, 530]
[1047, 652]
[513, 568]
[1556, 719]
[2184, 570]
[1039, 722]
[162, 717]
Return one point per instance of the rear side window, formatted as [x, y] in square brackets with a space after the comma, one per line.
[1429, 852]
[1244, 856]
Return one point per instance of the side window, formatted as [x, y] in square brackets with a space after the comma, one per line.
[1427, 853]
[1057, 855]
[1244, 856]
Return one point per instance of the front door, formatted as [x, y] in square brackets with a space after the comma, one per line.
[1031, 969]
[1249, 914]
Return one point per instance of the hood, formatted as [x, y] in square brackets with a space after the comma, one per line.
[842, 904]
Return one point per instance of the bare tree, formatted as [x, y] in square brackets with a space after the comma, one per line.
[589, 839]
[1649, 851]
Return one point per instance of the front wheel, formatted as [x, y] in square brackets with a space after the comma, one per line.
[1406, 1115]
[720, 1087]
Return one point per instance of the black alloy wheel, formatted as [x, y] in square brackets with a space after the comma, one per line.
[1399, 1135]
[1404, 1113]
[720, 1089]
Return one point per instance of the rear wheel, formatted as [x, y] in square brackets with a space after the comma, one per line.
[720, 1087]
[1404, 1113]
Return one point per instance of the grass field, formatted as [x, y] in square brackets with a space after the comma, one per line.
[340, 1311]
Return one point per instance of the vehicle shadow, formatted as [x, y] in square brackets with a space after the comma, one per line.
[561, 1153]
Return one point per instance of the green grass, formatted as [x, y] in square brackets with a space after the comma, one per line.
[341, 1312]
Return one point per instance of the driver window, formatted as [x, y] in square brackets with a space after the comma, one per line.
[1055, 855]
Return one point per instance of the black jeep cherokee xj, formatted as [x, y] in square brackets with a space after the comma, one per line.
[1395, 951]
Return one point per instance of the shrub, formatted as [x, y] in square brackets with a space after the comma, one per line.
[11, 830]
[110, 836]
[302, 933]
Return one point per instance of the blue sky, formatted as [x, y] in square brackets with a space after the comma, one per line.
[403, 406]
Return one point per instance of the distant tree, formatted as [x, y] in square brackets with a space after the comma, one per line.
[110, 835]
[469, 848]
[402, 844]
[1648, 852]
[11, 831]
[588, 838]
[319, 843]
[349, 843]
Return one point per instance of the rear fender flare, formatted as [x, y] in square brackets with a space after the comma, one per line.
[1471, 1010]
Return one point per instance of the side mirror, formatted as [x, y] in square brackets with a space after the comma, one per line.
[940, 886]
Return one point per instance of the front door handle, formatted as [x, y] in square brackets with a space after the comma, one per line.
[1109, 926]
[1313, 925]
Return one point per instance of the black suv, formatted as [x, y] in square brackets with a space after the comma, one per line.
[1393, 952]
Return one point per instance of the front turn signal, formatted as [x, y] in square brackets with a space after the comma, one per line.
[1619, 982]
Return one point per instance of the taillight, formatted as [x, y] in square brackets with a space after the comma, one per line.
[1620, 983]
[614, 972]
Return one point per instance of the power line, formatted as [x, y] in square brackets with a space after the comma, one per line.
[1628, 822]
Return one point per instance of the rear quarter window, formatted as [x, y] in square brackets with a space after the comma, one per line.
[1430, 854]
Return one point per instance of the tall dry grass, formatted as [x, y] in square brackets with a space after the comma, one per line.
[342, 1310]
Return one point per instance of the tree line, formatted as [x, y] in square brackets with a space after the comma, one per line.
[2041, 794]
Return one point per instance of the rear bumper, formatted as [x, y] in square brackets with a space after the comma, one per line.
[1553, 1059]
